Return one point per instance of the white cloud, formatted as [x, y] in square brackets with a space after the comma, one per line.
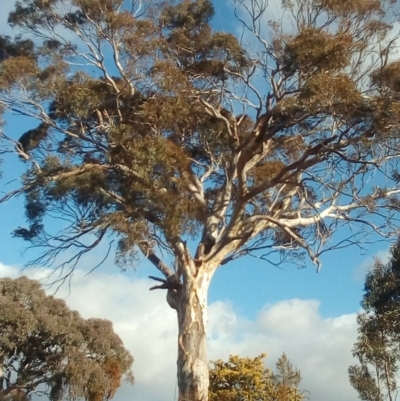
[319, 347]
[361, 271]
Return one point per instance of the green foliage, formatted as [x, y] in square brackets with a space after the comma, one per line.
[15, 48]
[43, 343]
[378, 344]
[312, 51]
[241, 379]
[387, 78]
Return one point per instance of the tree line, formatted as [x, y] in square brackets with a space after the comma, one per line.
[47, 349]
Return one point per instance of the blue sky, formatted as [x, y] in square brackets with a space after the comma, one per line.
[254, 306]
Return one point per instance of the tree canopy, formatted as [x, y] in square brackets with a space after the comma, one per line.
[241, 379]
[154, 128]
[48, 349]
[378, 346]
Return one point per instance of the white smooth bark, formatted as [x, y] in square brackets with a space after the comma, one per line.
[191, 307]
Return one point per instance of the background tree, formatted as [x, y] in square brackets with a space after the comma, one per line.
[247, 379]
[378, 344]
[287, 380]
[47, 349]
[171, 136]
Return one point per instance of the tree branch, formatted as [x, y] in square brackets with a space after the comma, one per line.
[156, 261]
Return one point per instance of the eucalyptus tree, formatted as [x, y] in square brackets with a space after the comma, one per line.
[378, 345]
[49, 350]
[155, 127]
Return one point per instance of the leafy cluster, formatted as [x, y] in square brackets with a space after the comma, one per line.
[48, 349]
[241, 379]
[378, 344]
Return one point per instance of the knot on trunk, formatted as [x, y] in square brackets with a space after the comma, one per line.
[172, 284]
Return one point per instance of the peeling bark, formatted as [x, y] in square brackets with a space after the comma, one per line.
[1, 374]
[191, 307]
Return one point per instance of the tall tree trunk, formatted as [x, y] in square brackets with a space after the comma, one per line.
[1, 374]
[191, 307]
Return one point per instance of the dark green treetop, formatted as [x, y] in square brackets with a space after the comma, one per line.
[48, 349]
[378, 346]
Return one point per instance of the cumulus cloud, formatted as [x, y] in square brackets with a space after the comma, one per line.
[319, 347]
